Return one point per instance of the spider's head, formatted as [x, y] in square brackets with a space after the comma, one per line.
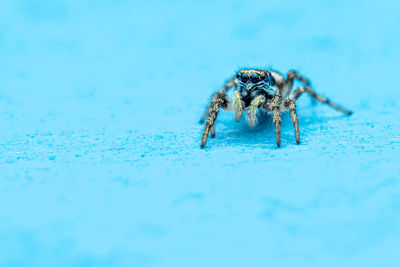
[253, 82]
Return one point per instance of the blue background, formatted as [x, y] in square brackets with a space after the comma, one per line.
[100, 159]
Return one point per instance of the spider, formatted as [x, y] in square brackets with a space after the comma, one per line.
[257, 89]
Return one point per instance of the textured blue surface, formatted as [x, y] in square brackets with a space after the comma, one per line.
[100, 161]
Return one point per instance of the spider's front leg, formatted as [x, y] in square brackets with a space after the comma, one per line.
[237, 105]
[233, 82]
[276, 115]
[218, 100]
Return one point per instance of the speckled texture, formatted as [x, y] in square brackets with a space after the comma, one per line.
[100, 160]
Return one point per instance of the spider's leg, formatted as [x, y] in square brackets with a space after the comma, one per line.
[287, 86]
[252, 113]
[292, 74]
[212, 131]
[237, 105]
[218, 100]
[233, 82]
[313, 94]
[276, 115]
[205, 114]
[291, 105]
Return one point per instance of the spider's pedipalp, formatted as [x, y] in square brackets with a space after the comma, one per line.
[252, 113]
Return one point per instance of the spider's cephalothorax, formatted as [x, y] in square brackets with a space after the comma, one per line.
[257, 90]
[253, 83]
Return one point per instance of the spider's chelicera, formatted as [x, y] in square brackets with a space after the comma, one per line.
[261, 89]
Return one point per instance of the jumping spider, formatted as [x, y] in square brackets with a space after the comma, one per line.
[268, 90]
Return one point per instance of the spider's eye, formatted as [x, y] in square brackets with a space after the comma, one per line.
[244, 77]
[238, 75]
[263, 76]
[254, 78]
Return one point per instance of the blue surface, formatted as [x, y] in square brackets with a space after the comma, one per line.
[100, 160]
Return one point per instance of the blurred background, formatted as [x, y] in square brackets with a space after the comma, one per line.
[100, 159]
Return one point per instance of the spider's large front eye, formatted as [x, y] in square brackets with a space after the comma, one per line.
[244, 77]
[254, 78]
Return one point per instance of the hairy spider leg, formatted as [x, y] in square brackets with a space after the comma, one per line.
[276, 115]
[217, 101]
[291, 105]
[286, 84]
[298, 92]
[292, 74]
[233, 82]
[237, 105]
